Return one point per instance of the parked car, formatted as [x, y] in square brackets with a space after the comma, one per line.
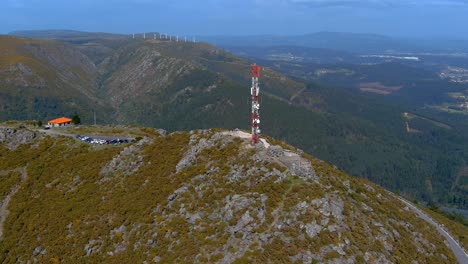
[103, 141]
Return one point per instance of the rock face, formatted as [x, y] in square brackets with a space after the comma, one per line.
[67, 61]
[203, 197]
[146, 71]
[128, 161]
[22, 75]
[13, 138]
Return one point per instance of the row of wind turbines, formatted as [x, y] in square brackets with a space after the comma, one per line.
[161, 36]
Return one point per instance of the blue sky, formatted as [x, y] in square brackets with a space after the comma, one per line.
[241, 17]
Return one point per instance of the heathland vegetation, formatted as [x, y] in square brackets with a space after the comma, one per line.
[199, 196]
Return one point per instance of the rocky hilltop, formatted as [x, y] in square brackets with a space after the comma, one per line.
[199, 196]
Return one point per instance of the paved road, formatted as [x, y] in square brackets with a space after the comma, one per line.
[458, 251]
[53, 132]
[57, 132]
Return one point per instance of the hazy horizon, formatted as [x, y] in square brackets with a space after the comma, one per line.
[396, 18]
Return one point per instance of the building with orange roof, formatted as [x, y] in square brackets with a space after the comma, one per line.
[62, 121]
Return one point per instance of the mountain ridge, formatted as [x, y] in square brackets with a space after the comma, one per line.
[141, 83]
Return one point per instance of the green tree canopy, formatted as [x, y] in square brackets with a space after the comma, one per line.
[76, 119]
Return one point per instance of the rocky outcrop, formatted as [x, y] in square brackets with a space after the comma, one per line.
[146, 71]
[250, 222]
[128, 161]
[71, 68]
[22, 75]
[197, 143]
[13, 137]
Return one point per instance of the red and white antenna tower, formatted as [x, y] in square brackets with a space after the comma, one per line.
[254, 91]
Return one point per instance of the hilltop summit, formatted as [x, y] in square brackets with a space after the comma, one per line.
[198, 196]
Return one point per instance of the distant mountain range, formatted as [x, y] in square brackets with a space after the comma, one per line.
[360, 43]
[183, 86]
[71, 35]
[351, 42]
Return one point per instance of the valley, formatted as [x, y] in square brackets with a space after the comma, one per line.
[157, 83]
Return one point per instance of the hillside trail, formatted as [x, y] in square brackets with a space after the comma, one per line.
[4, 204]
[55, 132]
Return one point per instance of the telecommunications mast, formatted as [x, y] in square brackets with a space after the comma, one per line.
[254, 91]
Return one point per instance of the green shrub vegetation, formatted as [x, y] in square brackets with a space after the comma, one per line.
[456, 225]
[69, 208]
[9, 180]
